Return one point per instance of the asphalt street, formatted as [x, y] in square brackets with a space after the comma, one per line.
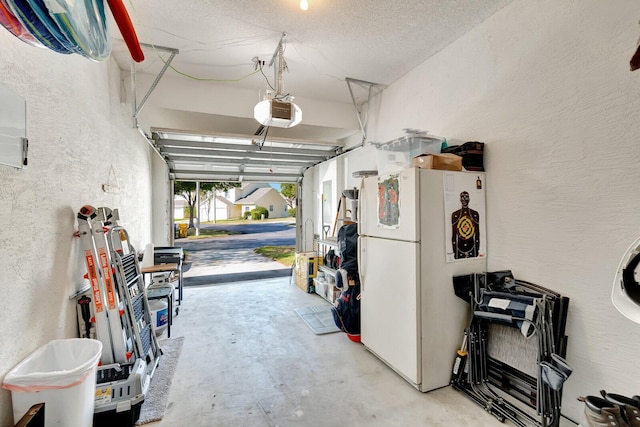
[232, 258]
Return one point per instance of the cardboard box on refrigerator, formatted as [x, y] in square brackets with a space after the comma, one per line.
[443, 161]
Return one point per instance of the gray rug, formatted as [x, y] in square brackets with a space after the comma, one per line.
[155, 403]
[318, 318]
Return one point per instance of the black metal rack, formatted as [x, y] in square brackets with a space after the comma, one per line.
[171, 255]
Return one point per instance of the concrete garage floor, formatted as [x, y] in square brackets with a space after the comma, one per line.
[249, 360]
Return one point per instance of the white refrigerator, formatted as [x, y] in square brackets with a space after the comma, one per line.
[417, 229]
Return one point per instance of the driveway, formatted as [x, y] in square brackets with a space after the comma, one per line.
[231, 258]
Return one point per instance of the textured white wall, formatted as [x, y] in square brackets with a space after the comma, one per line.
[546, 85]
[306, 211]
[161, 232]
[77, 130]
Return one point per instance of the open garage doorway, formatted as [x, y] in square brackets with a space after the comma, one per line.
[232, 231]
[247, 159]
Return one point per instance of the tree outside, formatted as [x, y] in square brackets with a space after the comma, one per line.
[289, 191]
[187, 190]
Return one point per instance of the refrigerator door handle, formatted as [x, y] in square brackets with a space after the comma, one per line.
[359, 222]
[358, 217]
[360, 269]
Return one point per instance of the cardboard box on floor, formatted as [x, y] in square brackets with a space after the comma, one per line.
[306, 268]
[443, 161]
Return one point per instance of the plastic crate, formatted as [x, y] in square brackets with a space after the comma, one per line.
[396, 155]
[120, 393]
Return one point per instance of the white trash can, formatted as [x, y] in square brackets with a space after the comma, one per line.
[62, 374]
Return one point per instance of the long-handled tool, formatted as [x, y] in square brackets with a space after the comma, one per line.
[335, 222]
[458, 374]
[84, 302]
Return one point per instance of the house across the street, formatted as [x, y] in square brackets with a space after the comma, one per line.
[233, 203]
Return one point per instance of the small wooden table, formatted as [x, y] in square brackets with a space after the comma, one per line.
[160, 268]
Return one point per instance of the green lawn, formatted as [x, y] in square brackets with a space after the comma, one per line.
[283, 254]
[207, 233]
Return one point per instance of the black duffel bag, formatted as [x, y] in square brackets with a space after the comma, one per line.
[348, 247]
[472, 154]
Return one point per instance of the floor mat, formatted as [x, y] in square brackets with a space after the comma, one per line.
[155, 402]
[318, 318]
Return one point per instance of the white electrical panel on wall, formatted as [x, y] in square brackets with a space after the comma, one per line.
[13, 129]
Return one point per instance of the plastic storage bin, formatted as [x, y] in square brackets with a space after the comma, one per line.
[60, 374]
[396, 155]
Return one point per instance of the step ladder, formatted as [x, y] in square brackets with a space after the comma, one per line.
[120, 312]
[105, 302]
[132, 291]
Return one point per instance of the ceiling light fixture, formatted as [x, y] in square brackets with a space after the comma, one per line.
[277, 109]
[304, 4]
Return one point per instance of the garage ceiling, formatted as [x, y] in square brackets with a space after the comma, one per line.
[218, 41]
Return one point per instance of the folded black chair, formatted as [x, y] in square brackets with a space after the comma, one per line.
[498, 298]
